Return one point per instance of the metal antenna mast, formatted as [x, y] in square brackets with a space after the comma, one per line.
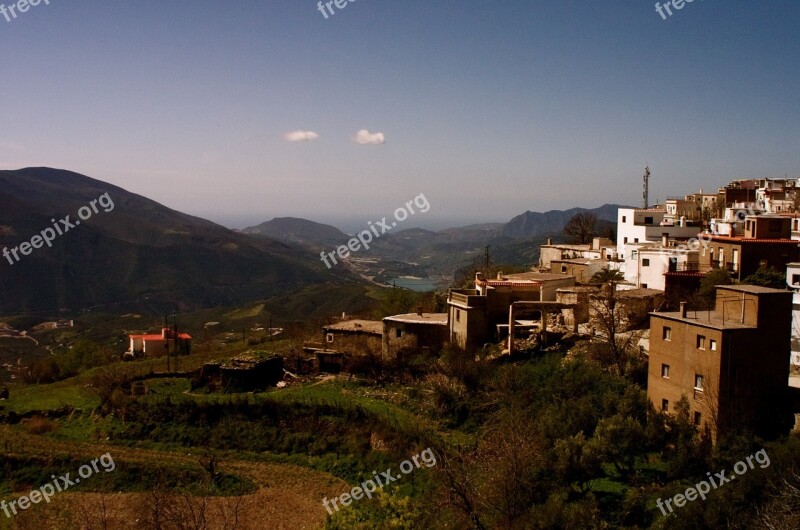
[646, 188]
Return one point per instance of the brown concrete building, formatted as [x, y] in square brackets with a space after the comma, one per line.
[475, 314]
[353, 336]
[414, 331]
[730, 363]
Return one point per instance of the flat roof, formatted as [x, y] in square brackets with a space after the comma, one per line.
[357, 325]
[703, 319]
[416, 318]
[752, 289]
[535, 276]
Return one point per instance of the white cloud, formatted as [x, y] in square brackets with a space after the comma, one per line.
[364, 137]
[301, 136]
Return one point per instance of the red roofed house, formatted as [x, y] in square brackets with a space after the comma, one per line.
[168, 341]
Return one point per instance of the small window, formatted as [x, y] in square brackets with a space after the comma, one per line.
[701, 342]
[648, 220]
[398, 333]
[712, 345]
[664, 405]
[698, 382]
[624, 239]
[624, 218]
[795, 279]
[563, 268]
[697, 418]
[645, 262]
[329, 337]
[667, 333]
[458, 315]
[665, 371]
[635, 239]
[644, 286]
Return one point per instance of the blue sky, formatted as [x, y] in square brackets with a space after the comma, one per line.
[488, 108]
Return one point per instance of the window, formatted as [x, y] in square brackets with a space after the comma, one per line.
[398, 333]
[645, 262]
[667, 333]
[698, 382]
[564, 269]
[697, 418]
[664, 405]
[329, 337]
[635, 239]
[624, 239]
[701, 342]
[624, 217]
[648, 220]
[713, 345]
[644, 286]
[795, 279]
[458, 315]
[665, 371]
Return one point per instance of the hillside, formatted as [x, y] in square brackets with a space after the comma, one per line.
[137, 255]
[295, 230]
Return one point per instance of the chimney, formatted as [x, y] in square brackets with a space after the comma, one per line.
[683, 309]
[665, 239]
[419, 310]
[549, 241]
[499, 275]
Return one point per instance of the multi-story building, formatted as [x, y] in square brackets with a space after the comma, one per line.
[646, 264]
[697, 207]
[600, 249]
[765, 241]
[474, 315]
[729, 362]
[636, 225]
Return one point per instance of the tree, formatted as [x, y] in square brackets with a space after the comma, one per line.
[767, 277]
[606, 313]
[581, 227]
[707, 292]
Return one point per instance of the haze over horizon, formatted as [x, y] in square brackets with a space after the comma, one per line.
[489, 109]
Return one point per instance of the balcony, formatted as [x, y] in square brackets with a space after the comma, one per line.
[683, 267]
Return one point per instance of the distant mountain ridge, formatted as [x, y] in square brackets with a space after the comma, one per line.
[439, 253]
[531, 224]
[140, 255]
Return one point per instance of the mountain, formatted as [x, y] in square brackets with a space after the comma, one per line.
[531, 224]
[292, 229]
[420, 252]
[133, 252]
